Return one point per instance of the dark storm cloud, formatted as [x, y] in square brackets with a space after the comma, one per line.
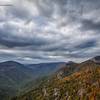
[90, 25]
[9, 40]
[11, 44]
[87, 44]
[18, 43]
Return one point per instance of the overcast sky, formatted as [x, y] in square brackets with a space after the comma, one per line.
[34, 31]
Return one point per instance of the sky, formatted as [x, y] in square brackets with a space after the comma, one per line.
[35, 31]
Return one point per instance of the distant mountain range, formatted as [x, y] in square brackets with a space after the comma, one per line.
[73, 81]
[16, 78]
[44, 69]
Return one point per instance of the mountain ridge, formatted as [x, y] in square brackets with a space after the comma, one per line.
[16, 77]
[82, 84]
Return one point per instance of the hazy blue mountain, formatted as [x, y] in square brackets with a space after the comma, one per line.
[16, 78]
[13, 76]
[44, 69]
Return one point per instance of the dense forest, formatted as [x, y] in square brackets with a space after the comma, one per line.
[81, 83]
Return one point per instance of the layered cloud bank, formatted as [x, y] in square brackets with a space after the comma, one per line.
[33, 31]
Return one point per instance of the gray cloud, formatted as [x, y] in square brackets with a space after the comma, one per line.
[45, 30]
[16, 12]
[90, 25]
[87, 44]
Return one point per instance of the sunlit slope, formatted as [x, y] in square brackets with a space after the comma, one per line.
[82, 83]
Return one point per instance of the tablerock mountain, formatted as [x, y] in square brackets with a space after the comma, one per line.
[75, 81]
